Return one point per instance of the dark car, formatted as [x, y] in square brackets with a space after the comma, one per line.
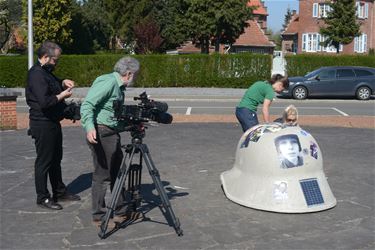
[334, 81]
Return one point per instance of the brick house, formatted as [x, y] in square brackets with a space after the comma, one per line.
[254, 38]
[302, 33]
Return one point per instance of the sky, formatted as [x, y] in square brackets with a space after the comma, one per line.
[276, 12]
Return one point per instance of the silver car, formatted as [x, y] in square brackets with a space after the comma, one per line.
[344, 81]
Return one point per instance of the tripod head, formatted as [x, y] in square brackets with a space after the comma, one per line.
[137, 132]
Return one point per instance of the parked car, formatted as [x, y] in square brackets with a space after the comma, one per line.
[350, 81]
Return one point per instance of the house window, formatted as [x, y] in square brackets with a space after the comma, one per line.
[361, 10]
[329, 48]
[321, 10]
[310, 42]
[360, 44]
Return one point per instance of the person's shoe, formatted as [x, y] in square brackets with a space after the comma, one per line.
[67, 197]
[49, 204]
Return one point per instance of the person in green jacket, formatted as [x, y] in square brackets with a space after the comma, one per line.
[97, 118]
[261, 92]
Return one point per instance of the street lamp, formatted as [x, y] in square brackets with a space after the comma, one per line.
[30, 32]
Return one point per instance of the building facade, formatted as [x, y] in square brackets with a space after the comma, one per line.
[302, 33]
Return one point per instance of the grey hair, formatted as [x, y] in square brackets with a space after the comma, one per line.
[48, 48]
[125, 65]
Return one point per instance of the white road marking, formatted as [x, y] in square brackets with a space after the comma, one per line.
[188, 111]
[339, 111]
[178, 187]
[7, 172]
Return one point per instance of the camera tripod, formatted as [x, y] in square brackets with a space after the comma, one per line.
[134, 173]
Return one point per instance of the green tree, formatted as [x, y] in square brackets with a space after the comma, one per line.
[275, 37]
[222, 21]
[4, 23]
[123, 15]
[50, 20]
[15, 11]
[170, 15]
[341, 26]
[82, 40]
[95, 18]
[287, 18]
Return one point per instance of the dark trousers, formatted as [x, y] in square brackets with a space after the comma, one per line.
[107, 156]
[48, 144]
[247, 118]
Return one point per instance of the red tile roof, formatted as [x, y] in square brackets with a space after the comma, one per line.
[260, 10]
[189, 48]
[253, 36]
[293, 25]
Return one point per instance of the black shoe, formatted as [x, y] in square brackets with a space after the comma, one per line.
[67, 197]
[49, 204]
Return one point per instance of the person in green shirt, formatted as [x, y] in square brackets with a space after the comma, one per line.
[97, 118]
[261, 92]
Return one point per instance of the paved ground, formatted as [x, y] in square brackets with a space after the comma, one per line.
[190, 158]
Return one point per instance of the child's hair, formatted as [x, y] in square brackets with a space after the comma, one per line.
[290, 111]
[280, 78]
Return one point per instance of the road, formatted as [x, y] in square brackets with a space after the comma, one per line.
[190, 106]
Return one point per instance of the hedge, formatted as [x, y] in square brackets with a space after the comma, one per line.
[235, 70]
[300, 65]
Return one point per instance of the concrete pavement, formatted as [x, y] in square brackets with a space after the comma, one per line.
[190, 158]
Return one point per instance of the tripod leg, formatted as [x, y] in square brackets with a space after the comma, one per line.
[159, 187]
[119, 184]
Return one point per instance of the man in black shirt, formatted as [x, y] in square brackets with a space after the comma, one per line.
[45, 95]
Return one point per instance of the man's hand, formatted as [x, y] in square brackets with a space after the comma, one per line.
[65, 94]
[67, 83]
[91, 136]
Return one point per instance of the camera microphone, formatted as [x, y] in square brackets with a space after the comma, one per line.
[164, 118]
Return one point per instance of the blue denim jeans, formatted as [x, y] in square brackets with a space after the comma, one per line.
[247, 118]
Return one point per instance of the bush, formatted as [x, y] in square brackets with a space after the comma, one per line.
[299, 65]
[236, 71]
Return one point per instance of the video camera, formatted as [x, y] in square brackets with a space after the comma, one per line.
[72, 111]
[146, 110]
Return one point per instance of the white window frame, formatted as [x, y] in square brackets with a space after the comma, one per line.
[315, 9]
[360, 43]
[311, 42]
[361, 10]
[330, 48]
[320, 10]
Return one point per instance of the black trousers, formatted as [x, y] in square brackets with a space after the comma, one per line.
[107, 157]
[48, 144]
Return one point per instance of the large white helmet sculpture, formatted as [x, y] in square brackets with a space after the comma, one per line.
[278, 168]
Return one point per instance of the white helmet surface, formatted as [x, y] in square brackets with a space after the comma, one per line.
[278, 168]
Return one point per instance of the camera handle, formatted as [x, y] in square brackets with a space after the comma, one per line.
[134, 172]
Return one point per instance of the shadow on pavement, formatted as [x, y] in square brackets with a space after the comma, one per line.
[80, 184]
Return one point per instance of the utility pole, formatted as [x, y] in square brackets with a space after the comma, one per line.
[30, 33]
